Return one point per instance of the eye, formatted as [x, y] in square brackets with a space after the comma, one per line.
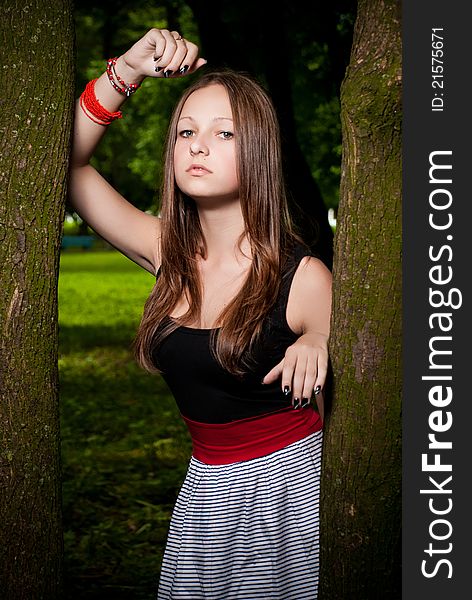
[226, 135]
[185, 133]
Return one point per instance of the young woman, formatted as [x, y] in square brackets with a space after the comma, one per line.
[237, 324]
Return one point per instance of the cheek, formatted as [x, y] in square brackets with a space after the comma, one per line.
[234, 172]
[179, 166]
[231, 162]
[178, 154]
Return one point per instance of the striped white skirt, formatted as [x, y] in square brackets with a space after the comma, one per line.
[247, 530]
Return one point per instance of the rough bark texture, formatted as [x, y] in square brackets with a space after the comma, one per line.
[36, 109]
[360, 527]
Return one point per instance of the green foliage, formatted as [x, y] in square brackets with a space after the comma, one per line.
[124, 446]
[320, 48]
[324, 157]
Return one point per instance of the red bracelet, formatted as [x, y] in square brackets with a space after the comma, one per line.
[126, 88]
[93, 109]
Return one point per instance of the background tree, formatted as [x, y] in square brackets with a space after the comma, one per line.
[36, 115]
[361, 487]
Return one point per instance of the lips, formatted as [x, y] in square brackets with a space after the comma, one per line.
[197, 169]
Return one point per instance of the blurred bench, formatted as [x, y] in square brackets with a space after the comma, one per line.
[77, 241]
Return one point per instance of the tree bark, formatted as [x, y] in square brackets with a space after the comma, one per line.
[37, 41]
[361, 485]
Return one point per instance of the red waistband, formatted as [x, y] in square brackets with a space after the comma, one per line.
[221, 444]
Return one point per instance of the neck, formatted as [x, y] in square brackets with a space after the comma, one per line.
[222, 228]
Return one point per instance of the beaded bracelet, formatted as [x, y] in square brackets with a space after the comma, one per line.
[126, 88]
[93, 109]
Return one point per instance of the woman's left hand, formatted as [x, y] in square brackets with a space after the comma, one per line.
[303, 369]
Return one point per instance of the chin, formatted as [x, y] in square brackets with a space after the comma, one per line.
[209, 197]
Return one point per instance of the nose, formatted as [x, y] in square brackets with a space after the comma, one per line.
[198, 146]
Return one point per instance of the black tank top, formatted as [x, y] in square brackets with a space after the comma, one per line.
[207, 393]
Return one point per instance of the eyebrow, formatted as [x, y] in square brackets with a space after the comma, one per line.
[214, 119]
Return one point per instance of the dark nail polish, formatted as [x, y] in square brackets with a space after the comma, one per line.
[157, 69]
[317, 389]
[296, 403]
[305, 402]
[262, 381]
[286, 390]
[183, 70]
[168, 73]
[157, 58]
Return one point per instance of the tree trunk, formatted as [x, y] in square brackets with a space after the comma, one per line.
[36, 118]
[361, 486]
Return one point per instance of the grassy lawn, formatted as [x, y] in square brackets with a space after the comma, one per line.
[124, 447]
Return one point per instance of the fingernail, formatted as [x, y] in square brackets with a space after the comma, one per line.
[168, 73]
[262, 381]
[183, 70]
[157, 69]
[156, 58]
[317, 389]
[296, 403]
[305, 402]
[286, 390]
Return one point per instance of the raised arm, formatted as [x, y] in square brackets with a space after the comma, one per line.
[127, 228]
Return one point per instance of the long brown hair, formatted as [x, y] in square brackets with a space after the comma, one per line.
[267, 225]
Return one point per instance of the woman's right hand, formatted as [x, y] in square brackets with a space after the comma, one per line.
[162, 53]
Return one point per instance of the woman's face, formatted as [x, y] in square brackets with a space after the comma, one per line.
[205, 148]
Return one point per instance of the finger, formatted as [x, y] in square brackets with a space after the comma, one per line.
[289, 365]
[298, 381]
[184, 61]
[273, 374]
[322, 371]
[201, 62]
[310, 379]
[192, 58]
[191, 62]
[167, 55]
[176, 66]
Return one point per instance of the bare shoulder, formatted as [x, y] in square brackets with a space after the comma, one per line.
[309, 304]
[312, 275]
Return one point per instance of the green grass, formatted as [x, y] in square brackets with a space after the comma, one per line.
[124, 447]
